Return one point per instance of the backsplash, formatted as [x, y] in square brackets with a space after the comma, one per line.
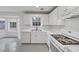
[53, 29]
[71, 25]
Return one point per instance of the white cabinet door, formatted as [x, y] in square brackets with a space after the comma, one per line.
[25, 37]
[45, 19]
[76, 11]
[60, 22]
[62, 11]
[38, 37]
[53, 17]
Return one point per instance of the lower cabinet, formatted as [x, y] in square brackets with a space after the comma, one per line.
[25, 37]
[38, 37]
[34, 37]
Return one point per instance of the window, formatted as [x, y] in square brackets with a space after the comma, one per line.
[12, 24]
[36, 21]
[2, 24]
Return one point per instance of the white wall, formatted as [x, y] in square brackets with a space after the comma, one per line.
[53, 28]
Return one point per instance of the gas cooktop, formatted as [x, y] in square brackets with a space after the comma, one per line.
[65, 40]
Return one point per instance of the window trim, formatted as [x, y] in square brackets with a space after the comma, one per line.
[37, 20]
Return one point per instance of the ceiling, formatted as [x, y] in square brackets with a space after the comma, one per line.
[27, 9]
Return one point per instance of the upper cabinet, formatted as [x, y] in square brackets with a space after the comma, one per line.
[45, 19]
[57, 16]
[61, 11]
[66, 11]
[76, 11]
[54, 18]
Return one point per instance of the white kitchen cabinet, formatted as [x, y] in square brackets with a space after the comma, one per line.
[45, 19]
[61, 11]
[25, 37]
[64, 11]
[60, 22]
[54, 19]
[76, 11]
[38, 37]
[57, 16]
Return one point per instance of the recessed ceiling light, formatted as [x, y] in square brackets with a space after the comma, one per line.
[37, 6]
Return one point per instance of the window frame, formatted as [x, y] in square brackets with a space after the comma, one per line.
[36, 20]
[13, 25]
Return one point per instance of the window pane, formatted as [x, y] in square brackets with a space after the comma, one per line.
[38, 18]
[36, 21]
[12, 24]
[33, 18]
[2, 24]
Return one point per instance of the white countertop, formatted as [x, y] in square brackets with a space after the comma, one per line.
[74, 48]
[73, 34]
